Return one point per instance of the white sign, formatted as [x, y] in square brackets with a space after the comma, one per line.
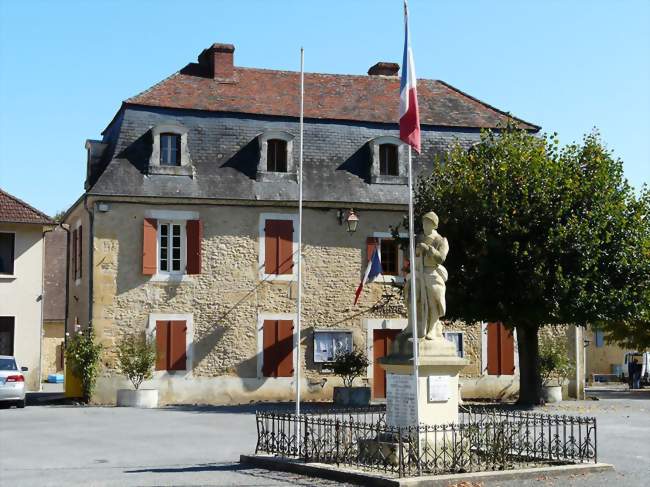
[400, 400]
[438, 388]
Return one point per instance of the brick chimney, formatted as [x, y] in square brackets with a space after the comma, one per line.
[219, 59]
[384, 69]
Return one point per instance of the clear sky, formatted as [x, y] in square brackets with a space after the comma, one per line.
[66, 66]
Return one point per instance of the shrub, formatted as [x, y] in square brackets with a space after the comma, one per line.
[350, 365]
[554, 363]
[136, 357]
[83, 354]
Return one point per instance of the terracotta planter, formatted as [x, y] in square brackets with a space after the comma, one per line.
[142, 398]
[352, 396]
[552, 393]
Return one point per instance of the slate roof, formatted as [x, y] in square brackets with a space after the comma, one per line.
[327, 96]
[14, 210]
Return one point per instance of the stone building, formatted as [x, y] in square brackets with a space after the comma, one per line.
[186, 228]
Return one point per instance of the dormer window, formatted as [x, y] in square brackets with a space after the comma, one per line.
[276, 155]
[170, 154]
[388, 160]
[170, 149]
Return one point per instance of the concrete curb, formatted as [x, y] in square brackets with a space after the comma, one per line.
[343, 474]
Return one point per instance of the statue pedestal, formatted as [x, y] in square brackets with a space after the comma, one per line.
[437, 379]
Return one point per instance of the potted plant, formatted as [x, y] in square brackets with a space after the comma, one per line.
[136, 357]
[555, 368]
[349, 366]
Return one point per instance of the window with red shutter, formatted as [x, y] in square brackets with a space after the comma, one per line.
[74, 254]
[278, 247]
[80, 252]
[500, 350]
[171, 345]
[277, 357]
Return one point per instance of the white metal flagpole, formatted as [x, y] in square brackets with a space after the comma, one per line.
[413, 301]
[299, 256]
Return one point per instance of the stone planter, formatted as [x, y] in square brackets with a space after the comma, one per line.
[352, 396]
[552, 393]
[142, 398]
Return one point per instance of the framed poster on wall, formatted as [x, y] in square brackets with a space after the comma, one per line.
[328, 343]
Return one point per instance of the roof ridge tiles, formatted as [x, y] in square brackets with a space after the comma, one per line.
[9, 214]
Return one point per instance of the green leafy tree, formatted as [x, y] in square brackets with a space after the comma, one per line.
[350, 365]
[554, 363]
[136, 357]
[540, 235]
[83, 354]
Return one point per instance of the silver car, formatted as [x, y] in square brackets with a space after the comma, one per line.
[12, 382]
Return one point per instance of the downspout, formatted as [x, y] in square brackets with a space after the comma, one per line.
[91, 219]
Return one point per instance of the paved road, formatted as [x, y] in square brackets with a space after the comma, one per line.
[192, 446]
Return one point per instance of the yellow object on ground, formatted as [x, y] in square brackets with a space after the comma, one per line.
[71, 384]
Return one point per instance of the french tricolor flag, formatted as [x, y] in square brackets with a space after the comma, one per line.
[409, 115]
[373, 270]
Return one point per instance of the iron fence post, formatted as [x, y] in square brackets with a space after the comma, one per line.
[400, 453]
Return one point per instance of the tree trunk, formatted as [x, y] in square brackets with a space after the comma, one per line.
[530, 381]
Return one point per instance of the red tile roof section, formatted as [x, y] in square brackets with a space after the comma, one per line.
[14, 210]
[327, 96]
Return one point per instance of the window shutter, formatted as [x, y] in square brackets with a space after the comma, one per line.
[371, 245]
[74, 254]
[507, 351]
[493, 344]
[81, 251]
[285, 348]
[269, 360]
[162, 338]
[194, 237]
[149, 246]
[177, 346]
[278, 247]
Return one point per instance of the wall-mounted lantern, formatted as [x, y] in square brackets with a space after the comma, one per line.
[350, 218]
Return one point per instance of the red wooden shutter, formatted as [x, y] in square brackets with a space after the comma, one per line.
[507, 351]
[177, 346]
[149, 246]
[371, 245]
[285, 348]
[74, 254]
[81, 251]
[493, 344]
[269, 361]
[162, 338]
[194, 237]
[278, 247]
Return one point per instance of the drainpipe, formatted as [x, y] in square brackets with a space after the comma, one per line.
[91, 218]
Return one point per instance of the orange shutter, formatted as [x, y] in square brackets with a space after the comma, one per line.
[285, 348]
[493, 344]
[371, 245]
[74, 254]
[278, 247]
[177, 346]
[194, 237]
[149, 246]
[269, 333]
[162, 338]
[81, 250]
[507, 351]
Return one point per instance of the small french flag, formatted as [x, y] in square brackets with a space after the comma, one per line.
[409, 114]
[373, 270]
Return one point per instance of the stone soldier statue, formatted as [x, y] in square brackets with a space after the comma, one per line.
[430, 252]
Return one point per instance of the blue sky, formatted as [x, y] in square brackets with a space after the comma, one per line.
[66, 66]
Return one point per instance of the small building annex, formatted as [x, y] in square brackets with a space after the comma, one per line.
[186, 228]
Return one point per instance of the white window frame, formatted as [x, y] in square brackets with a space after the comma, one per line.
[400, 257]
[189, 340]
[484, 352]
[261, 318]
[262, 246]
[372, 324]
[178, 217]
[183, 267]
[13, 275]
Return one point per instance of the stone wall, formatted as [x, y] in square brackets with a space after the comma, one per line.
[53, 336]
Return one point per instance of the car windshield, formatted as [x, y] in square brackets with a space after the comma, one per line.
[7, 364]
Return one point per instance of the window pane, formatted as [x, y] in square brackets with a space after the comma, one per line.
[389, 253]
[388, 160]
[6, 253]
[176, 265]
[170, 147]
[276, 156]
[176, 229]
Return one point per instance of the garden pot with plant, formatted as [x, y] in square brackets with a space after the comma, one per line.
[349, 366]
[555, 368]
[136, 357]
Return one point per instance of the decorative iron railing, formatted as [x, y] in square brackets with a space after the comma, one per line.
[482, 440]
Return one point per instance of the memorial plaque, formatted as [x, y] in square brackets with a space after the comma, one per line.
[438, 388]
[400, 400]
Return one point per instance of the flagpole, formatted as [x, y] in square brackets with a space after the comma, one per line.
[299, 257]
[413, 301]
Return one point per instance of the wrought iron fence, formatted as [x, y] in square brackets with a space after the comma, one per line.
[482, 440]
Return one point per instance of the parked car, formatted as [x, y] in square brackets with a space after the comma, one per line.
[642, 358]
[12, 382]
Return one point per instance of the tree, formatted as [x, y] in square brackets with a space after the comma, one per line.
[540, 235]
[136, 357]
[350, 365]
